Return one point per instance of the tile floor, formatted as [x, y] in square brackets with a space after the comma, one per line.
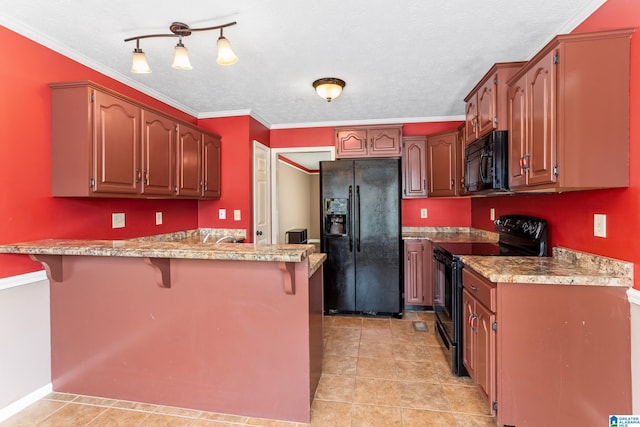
[377, 372]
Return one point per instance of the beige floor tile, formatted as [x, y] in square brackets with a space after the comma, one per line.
[374, 323]
[347, 322]
[115, 417]
[373, 391]
[419, 395]
[404, 326]
[228, 418]
[181, 412]
[410, 315]
[428, 316]
[137, 406]
[66, 397]
[417, 370]
[375, 349]
[377, 334]
[447, 377]
[336, 388]
[405, 337]
[466, 399]
[422, 418]
[376, 416]
[33, 413]
[339, 365]
[465, 420]
[91, 400]
[346, 334]
[377, 368]
[72, 414]
[330, 414]
[411, 351]
[262, 422]
[212, 423]
[162, 420]
[337, 347]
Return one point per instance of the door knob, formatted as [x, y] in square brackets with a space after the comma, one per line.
[258, 233]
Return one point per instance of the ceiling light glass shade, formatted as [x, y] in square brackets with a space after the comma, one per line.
[139, 63]
[225, 53]
[181, 58]
[329, 87]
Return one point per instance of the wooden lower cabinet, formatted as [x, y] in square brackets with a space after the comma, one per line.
[547, 354]
[418, 283]
[478, 335]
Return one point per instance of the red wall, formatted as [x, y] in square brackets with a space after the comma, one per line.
[27, 210]
[238, 134]
[570, 215]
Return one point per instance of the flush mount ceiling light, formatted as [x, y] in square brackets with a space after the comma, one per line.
[329, 87]
[181, 61]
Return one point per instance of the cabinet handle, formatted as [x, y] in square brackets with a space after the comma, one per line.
[138, 175]
[424, 184]
[453, 183]
[473, 288]
[146, 177]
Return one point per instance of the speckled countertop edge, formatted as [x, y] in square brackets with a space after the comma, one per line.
[565, 267]
[183, 245]
[449, 234]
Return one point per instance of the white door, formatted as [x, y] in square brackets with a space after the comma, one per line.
[261, 194]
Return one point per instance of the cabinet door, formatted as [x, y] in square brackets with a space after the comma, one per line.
[468, 333]
[414, 167]
[351, 143]
[459, 173]
[471, 119]
[189, 162]
[158, 153]
[427, 273]
[413, 279]
[116, 145]
[485, 353]
[487, 102]
[441, 161]
[384, 142]
[211, 166]
[517, 128]
[541, 155]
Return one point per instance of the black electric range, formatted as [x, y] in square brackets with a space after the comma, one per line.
[519, 235]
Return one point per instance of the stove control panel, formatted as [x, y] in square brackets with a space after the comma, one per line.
[522, 225]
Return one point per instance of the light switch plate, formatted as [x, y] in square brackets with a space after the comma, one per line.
[117, 220]
[492, 214]
[158, 218]
[222, 214]
[423, 213]
[236, 215]
[600, 225]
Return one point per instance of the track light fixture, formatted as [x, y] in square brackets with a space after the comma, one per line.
[181, 61]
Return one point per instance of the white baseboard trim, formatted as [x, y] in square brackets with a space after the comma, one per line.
[23, 279]
[20, 404]
[634, 296]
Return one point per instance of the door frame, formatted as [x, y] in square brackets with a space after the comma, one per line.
[275, 218]
[261, 146]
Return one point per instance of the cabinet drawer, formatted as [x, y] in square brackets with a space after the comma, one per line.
[482, 289]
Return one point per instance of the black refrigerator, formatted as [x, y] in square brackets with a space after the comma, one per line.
[361, 235]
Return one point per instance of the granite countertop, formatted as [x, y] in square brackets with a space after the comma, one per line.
[187, 245]
[565, 267]
[449, 234]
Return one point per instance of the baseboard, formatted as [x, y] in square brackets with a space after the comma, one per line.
[22, 279]
[20, 404]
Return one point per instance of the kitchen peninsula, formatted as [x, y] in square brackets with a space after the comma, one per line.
[233, 328]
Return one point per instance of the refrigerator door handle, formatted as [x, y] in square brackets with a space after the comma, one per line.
[358, 218]
[350, 211]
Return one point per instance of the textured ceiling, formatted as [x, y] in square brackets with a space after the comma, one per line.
[403, 61]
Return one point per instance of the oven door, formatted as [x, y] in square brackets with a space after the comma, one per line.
[442, 296]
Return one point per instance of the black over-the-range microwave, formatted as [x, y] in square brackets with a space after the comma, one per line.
[486, 164]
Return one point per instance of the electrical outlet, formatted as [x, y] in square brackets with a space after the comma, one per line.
[222, 214]
[158, 218]
[236, 215]
[423, 213]
[492, 214]
[117, 220]
[600, 225]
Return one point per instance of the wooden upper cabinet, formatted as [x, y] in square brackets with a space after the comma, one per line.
[107, 145]
[486, 108]
[158, 154]
[414, 166]
[117, 144]
[211, 166]
[379, 141]
[442, 163]
[189, 161]
[460, 161]
[569, 115]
